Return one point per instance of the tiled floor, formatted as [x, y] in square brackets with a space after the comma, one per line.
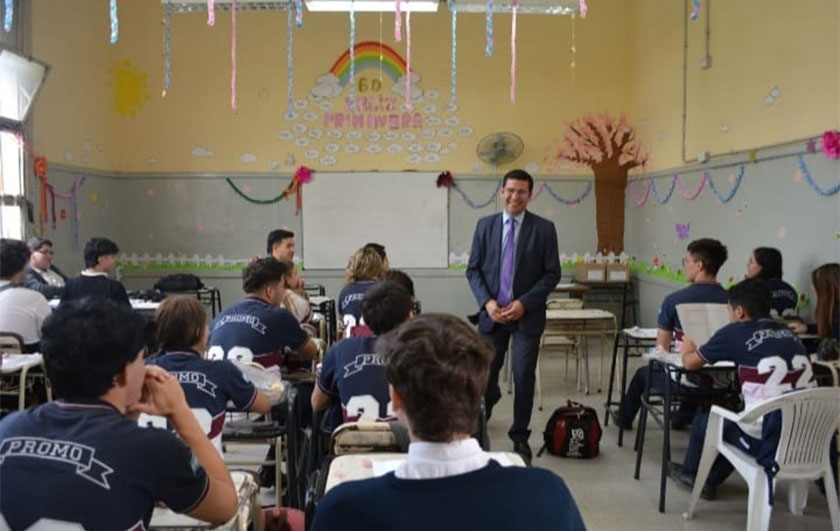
[606, 493]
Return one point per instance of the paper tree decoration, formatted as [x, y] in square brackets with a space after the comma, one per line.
[608, 146]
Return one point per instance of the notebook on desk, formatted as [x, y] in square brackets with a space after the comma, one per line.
[700, 321]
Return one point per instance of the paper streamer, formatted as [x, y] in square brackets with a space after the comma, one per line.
[488, 30]
[453, 61]
[695, 10]
[298, 13]
[587, 189]
[233, 55]
[397, 21]
[211, 13]
[353, 56]
[408, 58]
[290, 65]
[729, 195]
[380, 47]
[582, 8]
[573, 49]
[115, 22]
[812, 183]
[9, 15]
[167, 49]
[691, 196]
[515, 7]
[678, 185]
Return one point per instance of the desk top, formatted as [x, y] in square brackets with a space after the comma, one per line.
[136, 304]
[592, 313]
[675, 360]
[165, 518]
[570, 287]
[318, 300]
[351, 467]
[641, 333]
[17, 362]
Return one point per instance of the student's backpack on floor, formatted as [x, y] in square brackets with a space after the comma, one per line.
[572, 431]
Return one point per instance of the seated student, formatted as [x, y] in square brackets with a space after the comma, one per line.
[766, 263]
[182, 334]
[352, 374]
[295, 303]
[41, 274]
[281, 245]
[22, 310]
[364, 269]
[257, 328]
[100, 259]
[826, 282]
[82, 461]
[447, 481]
[758, 346]
[702, 261]
[401, 278]
[380, 250]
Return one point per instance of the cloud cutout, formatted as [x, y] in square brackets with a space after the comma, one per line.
[248, 158]
[327, 87]
[201, 151]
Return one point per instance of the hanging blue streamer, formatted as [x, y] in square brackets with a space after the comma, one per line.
[8, 16]
[298, 13]
[167, 48]
[290, 65]
[453, 62]
[488, 29]
[737, 184]
[812, 183]
[352, 56]
[115, 22]
[659, 199]
[583, 195]
[471, 202]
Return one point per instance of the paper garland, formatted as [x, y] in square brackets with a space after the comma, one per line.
[678, 185]
[211, 13]
[290, 73]
[812, 183]
[515, 7]
[115, 22]
[397, 21]
[167, 49]
[695, 10]
[302, 176]
[582, 8]
[453, 60]
[233, 55]
[353, 55]
[408, 58]
[298, 13]
[488, 30]
[544, 186]
[9, 15]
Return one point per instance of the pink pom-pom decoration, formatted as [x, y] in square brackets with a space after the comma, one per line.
[303, 175]
[831, 144]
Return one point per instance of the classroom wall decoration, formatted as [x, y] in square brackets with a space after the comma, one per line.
[609, 146]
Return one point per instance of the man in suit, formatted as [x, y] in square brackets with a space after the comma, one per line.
[513, 267]
[41, 274]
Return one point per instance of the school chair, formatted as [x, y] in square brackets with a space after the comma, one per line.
[557, 341]
[809, 419]
[11, 343]
[18, 378]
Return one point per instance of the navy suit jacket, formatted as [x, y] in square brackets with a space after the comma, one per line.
[536, 268]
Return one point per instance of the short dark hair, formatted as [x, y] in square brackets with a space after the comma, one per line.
[385, 306]
[711, 252]
[519, 175]
[401, 278]
[34, 243]
[770, 260]
[379, 248]
[277, 236]
[87, 342]
[440, 366]
[753, 295]
[261, 272]
[180, 322]
[98, 247]
[13, 257]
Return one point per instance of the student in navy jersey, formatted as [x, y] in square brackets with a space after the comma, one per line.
[182, 334]
[83, 460]
[764, 351]
[257, 328]
[438, 367]
[100, 260]
[364, 269]
[352, 374]
[703, 259]
[766, 263]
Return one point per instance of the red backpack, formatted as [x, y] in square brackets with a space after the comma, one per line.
[572, 431]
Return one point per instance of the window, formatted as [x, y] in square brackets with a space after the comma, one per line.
[11, 186]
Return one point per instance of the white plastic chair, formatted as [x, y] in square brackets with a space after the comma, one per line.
[809, 419]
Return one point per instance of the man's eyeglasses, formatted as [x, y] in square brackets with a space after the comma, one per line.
[42, 251]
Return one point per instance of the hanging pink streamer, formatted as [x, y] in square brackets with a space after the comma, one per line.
[397, 22]
[211, 12]
[582, 8]
[513, 54]
[408, 58]
[696, 193]
[539, 191]
[634, 194]
[233, 55]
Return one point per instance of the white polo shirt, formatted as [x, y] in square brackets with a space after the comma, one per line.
[22, 311]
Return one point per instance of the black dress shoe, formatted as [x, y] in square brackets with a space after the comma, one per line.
[616, 418]
[523, 450]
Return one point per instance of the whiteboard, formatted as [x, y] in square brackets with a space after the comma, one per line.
[404, 211]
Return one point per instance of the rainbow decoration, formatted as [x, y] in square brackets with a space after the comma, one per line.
[367, 56]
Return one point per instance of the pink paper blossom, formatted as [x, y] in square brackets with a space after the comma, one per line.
[831, 144]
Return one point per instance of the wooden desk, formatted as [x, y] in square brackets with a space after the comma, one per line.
[575, 290]
[583, 324]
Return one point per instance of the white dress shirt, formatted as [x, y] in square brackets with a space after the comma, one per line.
[51, 277]
[23, 311]
[428, 460]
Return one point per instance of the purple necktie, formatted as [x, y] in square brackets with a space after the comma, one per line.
[507, 266]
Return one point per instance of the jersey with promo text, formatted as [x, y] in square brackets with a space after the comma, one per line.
[350, 308]
[354, 375]
[253, 330]
[76, 463]
[208, 386]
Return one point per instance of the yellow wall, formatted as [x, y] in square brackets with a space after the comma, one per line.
[755, 45]
[629, 60]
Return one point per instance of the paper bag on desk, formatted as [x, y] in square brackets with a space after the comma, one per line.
[700, 321]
